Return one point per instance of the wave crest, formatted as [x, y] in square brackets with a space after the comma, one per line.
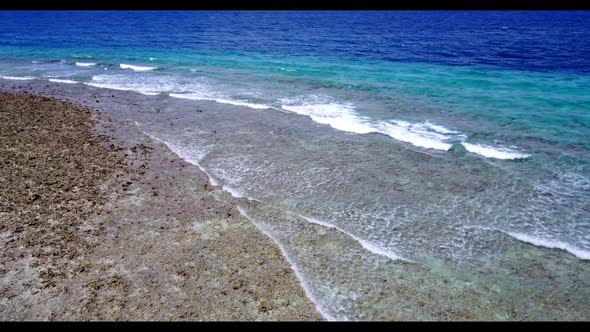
[136, 68]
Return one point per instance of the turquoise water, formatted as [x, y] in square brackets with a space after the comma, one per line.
[400, 144]
[544, 104]
[549, 106]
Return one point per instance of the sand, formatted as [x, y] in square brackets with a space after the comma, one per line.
[100, 222]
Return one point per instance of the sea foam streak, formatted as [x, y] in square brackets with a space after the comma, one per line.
[85, 64]
[338, 116]
[117, 87]
[341, 116]
[304, 283]
[120, 82]
[136, 68]
[194, 96]
[18, 78]
[417, 134]
[425, 134]
[56, 80]
[344, 117]
[365, 244]
[191, 156]
[492, 152]
[580, 253]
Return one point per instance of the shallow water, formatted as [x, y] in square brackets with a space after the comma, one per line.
[351, 209]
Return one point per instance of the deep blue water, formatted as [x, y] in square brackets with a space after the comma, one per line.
[485, 115]
[536, 40]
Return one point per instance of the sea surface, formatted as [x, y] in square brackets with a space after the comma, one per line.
[410, 165]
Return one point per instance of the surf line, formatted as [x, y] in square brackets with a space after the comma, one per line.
[232, 191]
[298, 273]
[304, 284]
[211, 179]
[551, 244]
[365, 244]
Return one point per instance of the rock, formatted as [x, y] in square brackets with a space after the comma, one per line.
[458, 149]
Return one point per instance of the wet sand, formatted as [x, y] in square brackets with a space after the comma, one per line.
[100, 222]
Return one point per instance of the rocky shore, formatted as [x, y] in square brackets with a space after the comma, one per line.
[100, 222]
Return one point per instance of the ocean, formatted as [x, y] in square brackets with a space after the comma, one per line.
[409, 164]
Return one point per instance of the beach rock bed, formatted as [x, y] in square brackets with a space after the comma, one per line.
[52, 175]
[100, 222]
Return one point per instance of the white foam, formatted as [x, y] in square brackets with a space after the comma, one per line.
[154, 85]
[190, 157]
[241, 103]
[440, 129]
[580, 253]
[85, 64]
[18, 78]
[414, 133]
[145, 85]
[304, 283]
[56, 80]
[492, 152]
[425, 134]
[343, 117]
[109, 86]
[152, 59]
[321, 223]
[122, 88]
[136, 68]
[200, 96]
[338, 116]
[233, 191]
[364, 243]
[193, 157]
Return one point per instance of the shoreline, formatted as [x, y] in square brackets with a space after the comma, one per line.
[199, 134]
[162, 246]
